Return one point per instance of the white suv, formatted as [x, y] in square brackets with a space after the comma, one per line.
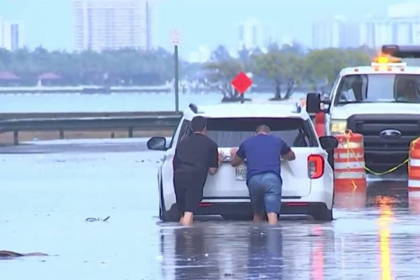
[307, 181]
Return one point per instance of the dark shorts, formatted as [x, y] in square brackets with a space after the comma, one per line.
[188, 191]
[265, 193]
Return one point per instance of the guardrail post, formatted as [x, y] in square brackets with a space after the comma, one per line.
[16, 137]
[130, 132]
[61, 134]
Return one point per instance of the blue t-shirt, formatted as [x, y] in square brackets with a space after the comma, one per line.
[262, 153]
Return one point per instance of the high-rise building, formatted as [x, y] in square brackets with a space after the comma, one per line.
[335, 33]
[401, 26]
[252, 34]
[114, 24]
[15, 36]
[376, 32]
[11, 35]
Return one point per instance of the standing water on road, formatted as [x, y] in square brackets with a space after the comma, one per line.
[48, 194]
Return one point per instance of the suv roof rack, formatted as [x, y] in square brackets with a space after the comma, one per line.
[193, 108]
[298, 108]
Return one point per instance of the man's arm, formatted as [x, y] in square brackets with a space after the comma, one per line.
[237, 156]
[214, 159]
[286, 152]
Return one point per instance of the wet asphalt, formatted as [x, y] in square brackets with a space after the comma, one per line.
[48, 192]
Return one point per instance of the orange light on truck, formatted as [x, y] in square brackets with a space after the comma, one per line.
[386, 59]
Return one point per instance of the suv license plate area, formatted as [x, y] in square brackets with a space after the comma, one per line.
[241, 172]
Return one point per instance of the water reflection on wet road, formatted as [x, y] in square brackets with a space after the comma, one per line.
[45, 199]
[375, 242]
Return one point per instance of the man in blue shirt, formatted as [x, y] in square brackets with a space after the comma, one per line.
[262, 153]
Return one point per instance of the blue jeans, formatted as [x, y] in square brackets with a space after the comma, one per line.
[265, 193]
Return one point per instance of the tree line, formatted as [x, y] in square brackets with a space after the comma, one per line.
[282, 67]
[127, 67]
[276, 67]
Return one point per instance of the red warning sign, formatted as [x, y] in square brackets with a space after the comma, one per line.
[241, 82]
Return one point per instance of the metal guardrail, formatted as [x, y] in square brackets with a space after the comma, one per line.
[87, 121]
[88, 124]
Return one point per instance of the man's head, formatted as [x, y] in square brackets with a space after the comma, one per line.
[198, 124]
[263, 129]
[357, 86]
[409, 90]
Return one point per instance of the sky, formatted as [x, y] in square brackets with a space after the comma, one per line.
[201, 22]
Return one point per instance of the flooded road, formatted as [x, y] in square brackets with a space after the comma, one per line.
[48, 193]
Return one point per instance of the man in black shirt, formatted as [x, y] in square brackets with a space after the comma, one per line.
[195, 156]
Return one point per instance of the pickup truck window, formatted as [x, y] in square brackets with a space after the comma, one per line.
[378, 88]
[230, 132]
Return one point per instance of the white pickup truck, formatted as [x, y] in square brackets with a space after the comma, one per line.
[380, 101]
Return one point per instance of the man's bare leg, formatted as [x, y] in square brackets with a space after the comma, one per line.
[188, 219]
[258, 218]
[272, 218]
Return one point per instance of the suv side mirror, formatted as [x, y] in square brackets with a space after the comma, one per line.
[157, 144]
[313, 103]
[328, 142]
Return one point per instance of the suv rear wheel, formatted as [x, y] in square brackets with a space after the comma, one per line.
[166, 216]
[323, 215]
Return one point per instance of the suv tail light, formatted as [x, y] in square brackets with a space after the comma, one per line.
[316, 166]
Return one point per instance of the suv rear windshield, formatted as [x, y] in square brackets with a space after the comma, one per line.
[379, 88]
[231, 132]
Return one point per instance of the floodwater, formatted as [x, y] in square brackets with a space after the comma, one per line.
[117, 102]
[48, 191]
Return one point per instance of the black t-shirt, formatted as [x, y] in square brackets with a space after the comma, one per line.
[195, 155]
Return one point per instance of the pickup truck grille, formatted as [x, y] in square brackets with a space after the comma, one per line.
[371, 126]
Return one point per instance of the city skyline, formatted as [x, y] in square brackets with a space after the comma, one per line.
[401, 25]
[197, 29]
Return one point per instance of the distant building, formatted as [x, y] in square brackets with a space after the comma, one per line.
[335, 33]
[251, 34]
[114, 24]
[401, 26]
[378, 31]
[11, 35]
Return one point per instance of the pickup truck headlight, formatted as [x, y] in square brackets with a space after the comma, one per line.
[338, 126]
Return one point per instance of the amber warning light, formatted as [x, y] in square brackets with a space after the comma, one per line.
[386, 59]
